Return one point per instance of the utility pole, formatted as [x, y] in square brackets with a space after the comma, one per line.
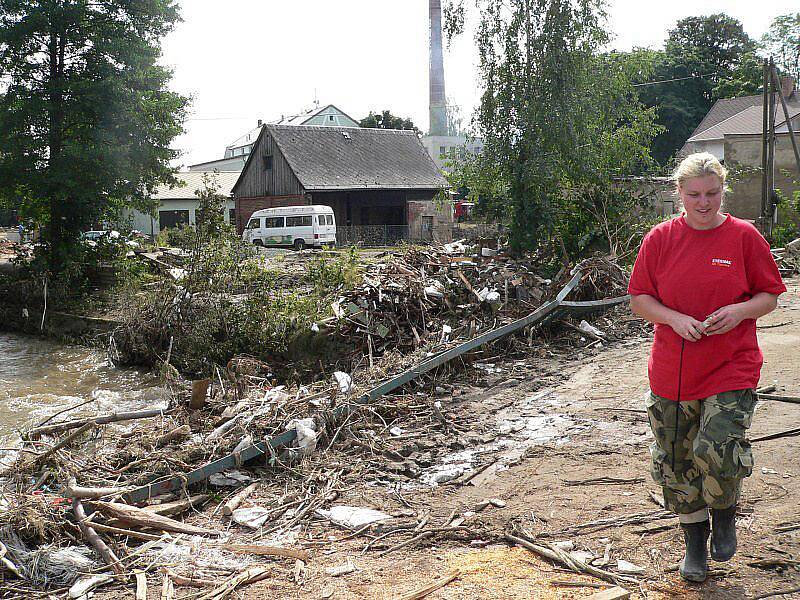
[767, 217]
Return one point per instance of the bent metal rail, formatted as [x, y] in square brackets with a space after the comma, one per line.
[548, 311]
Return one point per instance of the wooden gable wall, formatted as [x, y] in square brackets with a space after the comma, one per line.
[257, 181]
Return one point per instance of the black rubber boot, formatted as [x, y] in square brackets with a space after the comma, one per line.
[723, 533]
[694, 565]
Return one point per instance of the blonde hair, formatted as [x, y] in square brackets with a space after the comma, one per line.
[699, 164]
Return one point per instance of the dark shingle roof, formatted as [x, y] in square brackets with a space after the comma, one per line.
[725, 109]
[347, 158]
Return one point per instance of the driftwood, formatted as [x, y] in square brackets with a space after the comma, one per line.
[72, 490]
[433, 586]
[169, 509]
[100, 420]
[267, 551]
[145, 518]
[141, 585]
[66, 441]
[126, 532]
[171, 436]
[188, 581]
[199, 393]
[91, 536]
[246, 577]
[234, 503]
[167, 589]
[568, 561]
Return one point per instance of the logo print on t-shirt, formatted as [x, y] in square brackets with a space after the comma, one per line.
[721, 262]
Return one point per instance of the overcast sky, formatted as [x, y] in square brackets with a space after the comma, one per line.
[244, 60]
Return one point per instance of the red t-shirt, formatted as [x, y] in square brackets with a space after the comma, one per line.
[695, 272]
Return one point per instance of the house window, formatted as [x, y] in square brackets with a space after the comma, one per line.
[268, 162]
[172, 218]
[301, 221]
[231, 215]
[331, 118]
[442, 150]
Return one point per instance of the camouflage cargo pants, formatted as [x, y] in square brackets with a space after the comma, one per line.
[700, 455]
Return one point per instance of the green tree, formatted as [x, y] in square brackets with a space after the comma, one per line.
[86, 119]
[704, 59]
[386, 120]
[558, 120]
[782, 41]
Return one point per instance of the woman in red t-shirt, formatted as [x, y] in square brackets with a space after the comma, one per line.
[703, 278]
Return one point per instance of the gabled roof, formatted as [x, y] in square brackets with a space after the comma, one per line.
[304, 118]
[191, 181]
[745, 117]
[350, 158]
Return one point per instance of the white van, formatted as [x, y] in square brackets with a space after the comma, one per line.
[298, 226]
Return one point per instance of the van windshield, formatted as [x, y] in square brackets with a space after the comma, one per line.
[252, 224]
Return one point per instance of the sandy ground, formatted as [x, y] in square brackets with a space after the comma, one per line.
[563, 421]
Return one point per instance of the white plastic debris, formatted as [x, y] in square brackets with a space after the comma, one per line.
[253, 517]
[277, 395]
[432, 290]
[177, 273]
[584, 326]
[344, 381]
[395, 431]
[352, 517]
[493, 297]
[315, 328]
[457, 247]
[623, 566]
[340, 570]
[488, 251]
[87, 584]
[230, 478]
[444, 475]
[25, 314]
[446, 331]
[306, 434]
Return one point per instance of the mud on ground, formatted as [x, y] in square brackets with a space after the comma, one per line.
[559, 440]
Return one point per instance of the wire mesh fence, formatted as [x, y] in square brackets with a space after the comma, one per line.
[375, 235]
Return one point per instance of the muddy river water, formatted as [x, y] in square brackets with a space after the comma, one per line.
[39, 378]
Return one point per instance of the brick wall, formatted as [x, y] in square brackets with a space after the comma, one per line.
[247, 206]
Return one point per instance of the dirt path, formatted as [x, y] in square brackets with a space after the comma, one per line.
[599, 404]
[562, 441]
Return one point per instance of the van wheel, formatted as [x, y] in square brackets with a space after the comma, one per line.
[299, 244]
[257, 242]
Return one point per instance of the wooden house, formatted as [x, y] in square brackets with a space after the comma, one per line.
[370, 177]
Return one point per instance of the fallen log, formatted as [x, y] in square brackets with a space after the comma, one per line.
[37, 432]
[91, 536]
[145, 518]
[171, 436]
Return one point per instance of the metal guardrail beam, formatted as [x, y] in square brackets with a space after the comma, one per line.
[547, 311]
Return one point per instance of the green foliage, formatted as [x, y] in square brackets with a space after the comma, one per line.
[386, 120]
[704, 59]
[181, 236]
[782, 41]
[86, 116]
[558, 119]
[328, 274]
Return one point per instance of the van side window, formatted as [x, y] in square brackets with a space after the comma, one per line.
[272, 222]
[253, 223]
[330, 219]
[301, 221]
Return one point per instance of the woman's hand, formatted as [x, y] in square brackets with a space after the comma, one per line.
[724, 319]
[687, 327]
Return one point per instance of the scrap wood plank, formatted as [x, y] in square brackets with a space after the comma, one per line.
[433, 586]
[546, 311]
[615, 593]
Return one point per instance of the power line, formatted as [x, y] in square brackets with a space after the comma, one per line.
[675, 79]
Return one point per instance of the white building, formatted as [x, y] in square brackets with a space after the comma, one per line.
[178, 205]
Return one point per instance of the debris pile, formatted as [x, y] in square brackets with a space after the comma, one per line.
[438, 294]
[788, 258]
